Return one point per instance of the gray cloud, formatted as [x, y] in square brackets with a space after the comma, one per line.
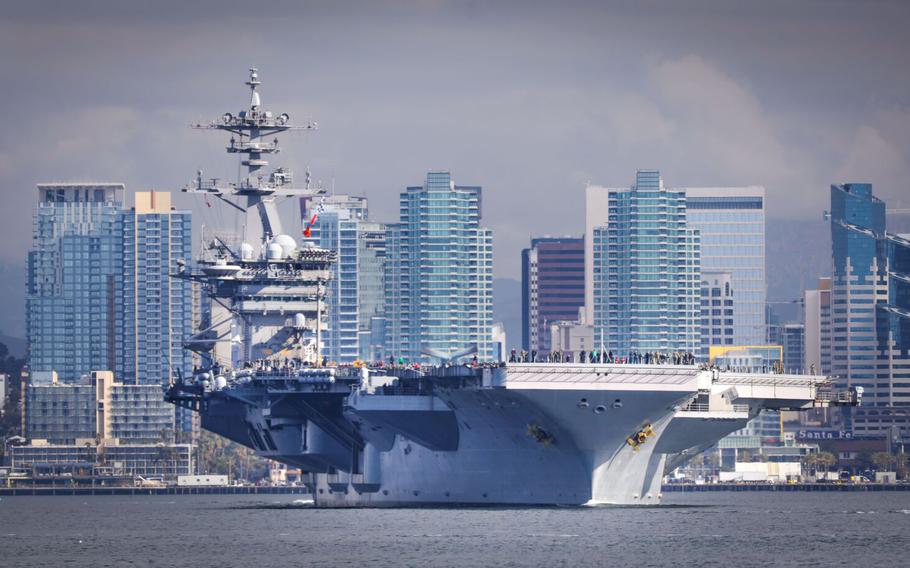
[529, 99]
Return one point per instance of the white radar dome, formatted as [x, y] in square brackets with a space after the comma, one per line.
[246, 251]
[287, 244]
[274, 252]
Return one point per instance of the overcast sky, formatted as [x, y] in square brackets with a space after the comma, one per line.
[530, 100]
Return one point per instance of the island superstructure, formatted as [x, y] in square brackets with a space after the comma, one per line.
[518, 433]
[266, 292]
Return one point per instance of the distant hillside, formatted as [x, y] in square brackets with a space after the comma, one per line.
[15, 345]
[796, 254]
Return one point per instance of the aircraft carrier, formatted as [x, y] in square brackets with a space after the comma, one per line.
[470, 434]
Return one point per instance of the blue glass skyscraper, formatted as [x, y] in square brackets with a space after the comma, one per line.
[870, 309]
[100, 292]
[439, 273]
[857, 228]
[646, 271]
[74, 276]
[355, 294]
[155, 310]
[731, 224]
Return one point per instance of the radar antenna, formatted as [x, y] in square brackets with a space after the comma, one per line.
[248, 130]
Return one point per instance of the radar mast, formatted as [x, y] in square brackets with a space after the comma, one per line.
[267, 307]
[255, 192]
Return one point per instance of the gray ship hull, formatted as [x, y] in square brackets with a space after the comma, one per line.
[520, 435]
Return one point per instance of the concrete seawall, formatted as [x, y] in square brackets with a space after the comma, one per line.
[23, 491]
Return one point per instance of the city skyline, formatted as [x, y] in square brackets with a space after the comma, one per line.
[549, 118]
[477, 278]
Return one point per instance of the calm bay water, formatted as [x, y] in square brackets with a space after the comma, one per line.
[706, 529]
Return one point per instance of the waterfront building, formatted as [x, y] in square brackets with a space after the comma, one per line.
[717, 304]
[552, 287]
[439, 273]
[150, 461]
[870, 310]
[731, 225]
[74, 273]
[646, 271]
[100, 291]
[793, 340]
[96, 408]
[355, 294]
[572, 336]
[817, 318]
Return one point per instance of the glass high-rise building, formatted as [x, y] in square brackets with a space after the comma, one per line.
[731, 222]
[646, 271]
[870, 310]
[100, 292]
[74, 279]
[155, 309]
[793, 340]
[552, 287]
[439, 279]
[371, 261]
[355, 294]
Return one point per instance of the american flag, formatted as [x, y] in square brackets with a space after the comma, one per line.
[319, 209]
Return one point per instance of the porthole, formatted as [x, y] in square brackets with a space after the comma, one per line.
[600, 409]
